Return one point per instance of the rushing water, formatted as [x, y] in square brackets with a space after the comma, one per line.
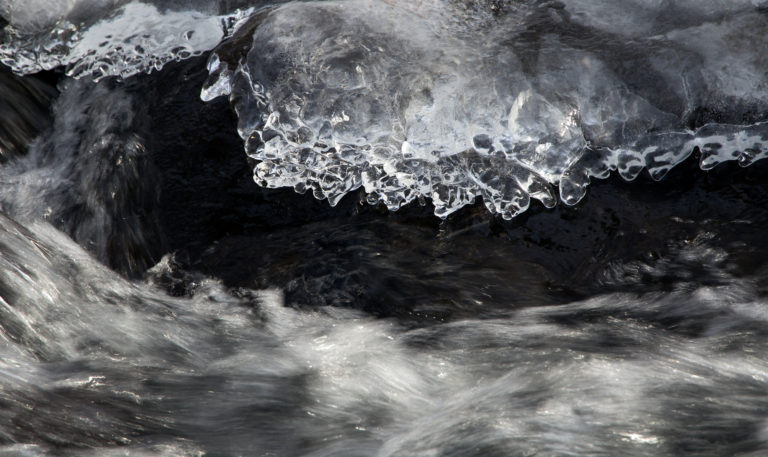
[156, 301]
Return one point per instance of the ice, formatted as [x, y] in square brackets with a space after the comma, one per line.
[29, 16]
[123, 40]
[507, 101]
[501, 100]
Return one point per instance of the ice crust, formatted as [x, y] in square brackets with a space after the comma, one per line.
[501, 100]
[117, 38]
[443, 99]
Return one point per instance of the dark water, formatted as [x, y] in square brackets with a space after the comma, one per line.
[155, 301]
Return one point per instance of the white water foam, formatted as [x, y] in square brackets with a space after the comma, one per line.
[90, 361]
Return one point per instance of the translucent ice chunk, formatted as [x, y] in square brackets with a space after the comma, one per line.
[136, 37]
[500, 100]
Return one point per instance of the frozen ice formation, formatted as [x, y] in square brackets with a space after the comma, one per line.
[106, 37]
[504, 100]
[507, 100]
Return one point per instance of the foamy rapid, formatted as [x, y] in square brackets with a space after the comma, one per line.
[92, 364]
[155, 302]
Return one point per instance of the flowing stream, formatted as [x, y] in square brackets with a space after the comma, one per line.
[383, 228]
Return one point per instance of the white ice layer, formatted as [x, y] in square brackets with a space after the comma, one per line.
[116, 39]
[501, 100]
[443, 99]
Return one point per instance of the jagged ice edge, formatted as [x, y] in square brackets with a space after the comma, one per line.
[118, 45]
[655, 152]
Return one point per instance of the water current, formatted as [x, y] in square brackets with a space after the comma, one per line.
[383, 228]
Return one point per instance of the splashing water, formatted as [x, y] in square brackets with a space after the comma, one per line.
[95, 364]
[633, 326]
